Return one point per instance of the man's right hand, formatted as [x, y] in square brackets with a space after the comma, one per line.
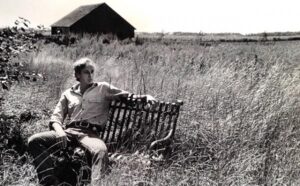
[61, 138]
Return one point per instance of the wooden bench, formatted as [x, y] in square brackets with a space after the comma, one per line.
[135, 125]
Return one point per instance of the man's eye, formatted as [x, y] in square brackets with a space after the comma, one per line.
[88, 72]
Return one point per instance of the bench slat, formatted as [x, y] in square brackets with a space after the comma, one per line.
[163, 121]
[132, 122]
[122, 123]
[116, 122]
[110, 121]
[161, 104]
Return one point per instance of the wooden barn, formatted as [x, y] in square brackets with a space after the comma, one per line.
[97, 18]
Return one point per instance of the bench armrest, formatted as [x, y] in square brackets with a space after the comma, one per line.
[160, 141]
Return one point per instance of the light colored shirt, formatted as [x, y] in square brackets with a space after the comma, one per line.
[92, 106]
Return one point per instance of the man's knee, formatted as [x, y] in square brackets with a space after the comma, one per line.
[93, 145]
[100, 153]
[103, 152]
[37, 140]
[33, 141]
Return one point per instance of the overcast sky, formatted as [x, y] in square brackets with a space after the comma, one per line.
[243, 16]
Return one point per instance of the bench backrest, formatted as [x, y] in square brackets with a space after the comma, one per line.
[135, 124]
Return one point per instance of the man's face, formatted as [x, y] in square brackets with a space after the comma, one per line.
[86, 75]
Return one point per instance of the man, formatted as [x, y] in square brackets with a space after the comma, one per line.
[86, 107]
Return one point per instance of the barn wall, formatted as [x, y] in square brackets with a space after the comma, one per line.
[60, 30]
[104, 20]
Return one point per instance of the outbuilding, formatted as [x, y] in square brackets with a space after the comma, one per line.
[95, 19]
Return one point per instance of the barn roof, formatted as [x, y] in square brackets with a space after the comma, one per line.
[77, 14]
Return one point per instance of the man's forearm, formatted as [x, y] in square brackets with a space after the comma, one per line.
[146, 97]
[139, 96]
[58, 128]
[62, 138]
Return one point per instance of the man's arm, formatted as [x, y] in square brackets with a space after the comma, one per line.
[57, 119]
[62, 136]
[115, 93]
[60, 112]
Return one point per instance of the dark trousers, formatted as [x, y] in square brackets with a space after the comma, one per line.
[41, 145]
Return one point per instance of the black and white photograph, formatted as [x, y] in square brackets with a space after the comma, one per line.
[149, 93]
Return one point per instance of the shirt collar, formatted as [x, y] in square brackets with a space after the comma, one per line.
[76, 88]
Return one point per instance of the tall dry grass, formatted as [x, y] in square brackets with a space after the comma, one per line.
[240, 121]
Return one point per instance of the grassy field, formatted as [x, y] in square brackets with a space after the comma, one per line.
[240, 122]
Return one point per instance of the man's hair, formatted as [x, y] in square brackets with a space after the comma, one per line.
[81, 64]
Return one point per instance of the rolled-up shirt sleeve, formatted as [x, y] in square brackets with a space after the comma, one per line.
[60, 111]
[114, 93]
